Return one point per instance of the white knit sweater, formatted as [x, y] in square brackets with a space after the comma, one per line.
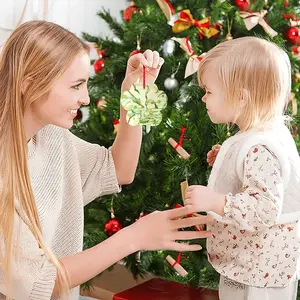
[66, 174]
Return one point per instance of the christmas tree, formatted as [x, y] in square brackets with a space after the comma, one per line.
[197, 26]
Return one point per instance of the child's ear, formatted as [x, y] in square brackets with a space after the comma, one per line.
[245, 97]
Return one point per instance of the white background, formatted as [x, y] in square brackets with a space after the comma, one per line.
[75, 15]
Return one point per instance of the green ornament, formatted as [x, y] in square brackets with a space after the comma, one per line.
[144, 105]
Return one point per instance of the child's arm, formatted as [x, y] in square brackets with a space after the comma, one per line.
[258, 205]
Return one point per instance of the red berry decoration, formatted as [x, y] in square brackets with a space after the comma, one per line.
[293, 35]
[242, 4]
[98, 65]
[112, 226]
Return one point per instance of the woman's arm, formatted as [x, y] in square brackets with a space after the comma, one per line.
[127, 145]
[142, 235]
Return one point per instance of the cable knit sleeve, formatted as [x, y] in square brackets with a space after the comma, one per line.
[97, 169]
[33, 276]
[260, 203]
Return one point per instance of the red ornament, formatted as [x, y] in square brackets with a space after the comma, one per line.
[112, 226]
[79, 115]
[242, 4]
[293, 35]
[129, 11]
[98, 65]
[101, 53]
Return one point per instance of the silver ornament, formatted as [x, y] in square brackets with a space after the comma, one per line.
[171, 83]
[168, 47]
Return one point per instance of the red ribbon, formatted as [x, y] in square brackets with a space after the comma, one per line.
[116, 122]
[286, 4]
[171, 7]
[183, 130]
[144, 77]
[295, 131]
[191, 51]
[177, 261]
[290, 16]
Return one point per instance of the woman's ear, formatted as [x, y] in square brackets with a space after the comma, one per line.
[25, 84]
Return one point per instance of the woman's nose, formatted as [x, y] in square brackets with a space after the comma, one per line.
[84, 101]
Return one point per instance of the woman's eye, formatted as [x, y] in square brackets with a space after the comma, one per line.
[77, 86]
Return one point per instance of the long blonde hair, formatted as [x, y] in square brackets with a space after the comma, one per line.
[256, 76]
[34, 56]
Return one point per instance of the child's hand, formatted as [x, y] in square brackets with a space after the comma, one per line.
[212, 154]
[204, 199]
[151, 60]
[159, 230]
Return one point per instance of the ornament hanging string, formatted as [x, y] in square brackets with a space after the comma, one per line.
[177, 261]
[144, 77]
[182, 130]
[286, 4]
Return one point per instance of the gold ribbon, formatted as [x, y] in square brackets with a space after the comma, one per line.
[186, 20]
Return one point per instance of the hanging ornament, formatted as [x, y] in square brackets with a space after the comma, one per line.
[98, 65]
[113, 225]
[176, 265]
[166, 8]
[138, 47]
[116, 124]
[194, 60]
[293, 21]
[242, 4]
[293, 35]
[171, 83]
[168, 47]
[228, 35]
[129, 11]
[251, 19]
[101, 53]
[178, 146]
[186, 20]
[144, 104]
[101, 103]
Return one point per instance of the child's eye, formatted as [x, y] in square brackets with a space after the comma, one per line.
[77, 86]
[207, 92]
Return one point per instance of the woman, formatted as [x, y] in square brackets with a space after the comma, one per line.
[48, 175]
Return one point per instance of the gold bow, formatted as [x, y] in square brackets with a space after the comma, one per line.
[186, 20]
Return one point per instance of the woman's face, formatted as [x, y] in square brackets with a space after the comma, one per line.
[66, 96]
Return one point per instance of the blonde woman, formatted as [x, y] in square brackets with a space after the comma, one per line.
[253, 191]
[48, 175]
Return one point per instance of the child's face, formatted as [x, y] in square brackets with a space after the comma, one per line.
[214, 97]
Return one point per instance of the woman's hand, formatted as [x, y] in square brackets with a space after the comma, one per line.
[150, 59]
[159, 230]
